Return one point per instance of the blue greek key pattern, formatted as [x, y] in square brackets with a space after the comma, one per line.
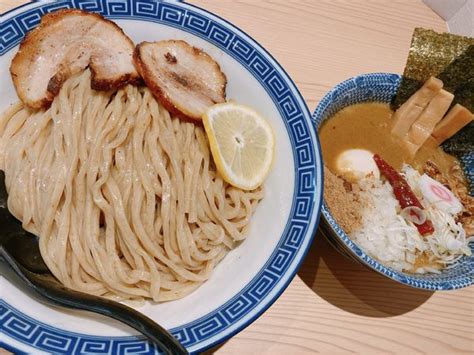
[16, 325]
[307, 192]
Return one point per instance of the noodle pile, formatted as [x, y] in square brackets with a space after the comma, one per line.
[126, 200]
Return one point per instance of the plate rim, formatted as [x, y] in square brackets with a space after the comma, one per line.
[316, 192]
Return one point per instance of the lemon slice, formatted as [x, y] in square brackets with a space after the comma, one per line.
[241, 144]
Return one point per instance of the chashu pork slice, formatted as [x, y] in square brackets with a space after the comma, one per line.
[65, 43]
[184, 79]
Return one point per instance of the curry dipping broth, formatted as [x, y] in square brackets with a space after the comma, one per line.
[367, 126]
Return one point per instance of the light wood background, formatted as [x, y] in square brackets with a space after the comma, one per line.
[334, 305]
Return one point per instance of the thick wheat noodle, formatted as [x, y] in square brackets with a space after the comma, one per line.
[125, 199]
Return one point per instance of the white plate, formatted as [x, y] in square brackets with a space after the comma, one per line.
[252, 276]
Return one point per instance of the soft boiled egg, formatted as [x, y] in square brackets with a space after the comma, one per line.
[355, 164]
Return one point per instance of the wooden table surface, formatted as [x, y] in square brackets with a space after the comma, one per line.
[334, 305]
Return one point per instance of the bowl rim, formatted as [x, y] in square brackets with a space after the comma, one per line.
[343, 240]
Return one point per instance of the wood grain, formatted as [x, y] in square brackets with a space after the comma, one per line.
[334, 305]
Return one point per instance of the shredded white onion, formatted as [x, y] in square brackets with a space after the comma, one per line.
[390, 235]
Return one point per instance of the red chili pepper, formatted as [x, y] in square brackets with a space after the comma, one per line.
[403, 192]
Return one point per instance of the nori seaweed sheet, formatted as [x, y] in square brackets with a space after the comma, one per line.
[450, 58]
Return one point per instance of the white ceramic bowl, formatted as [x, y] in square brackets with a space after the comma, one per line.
[380, 87]
[252, 276]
